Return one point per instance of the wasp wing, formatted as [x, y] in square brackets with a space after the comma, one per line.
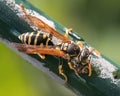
[45, 50]
[42, 25]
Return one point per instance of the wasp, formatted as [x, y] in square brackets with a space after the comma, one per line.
[76, 53]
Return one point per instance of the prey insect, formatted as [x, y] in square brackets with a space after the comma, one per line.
[76, 53]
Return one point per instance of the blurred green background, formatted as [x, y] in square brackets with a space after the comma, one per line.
[20, 78]
[97, 21]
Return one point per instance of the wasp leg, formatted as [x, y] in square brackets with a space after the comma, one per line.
[62, 73]
[97, 52]
[61, 70]
[87, 69]
[90, 69]
[72, 68]
[67, 32]
[41, 56]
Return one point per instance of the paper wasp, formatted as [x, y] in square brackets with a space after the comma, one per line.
[76, 53]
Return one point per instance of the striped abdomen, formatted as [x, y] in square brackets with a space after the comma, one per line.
[35, 38]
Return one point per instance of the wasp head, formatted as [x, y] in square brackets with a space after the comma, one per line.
[82, 61]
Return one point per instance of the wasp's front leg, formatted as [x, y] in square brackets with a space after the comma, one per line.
[72, 68]
[87, 69]
[88, 64]
[80, 43]
[90, 69]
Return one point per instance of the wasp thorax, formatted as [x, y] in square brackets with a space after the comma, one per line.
[73, 49]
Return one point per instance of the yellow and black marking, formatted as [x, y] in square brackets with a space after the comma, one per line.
[77, 53]
[35, 38]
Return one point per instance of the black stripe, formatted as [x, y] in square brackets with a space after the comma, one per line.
[44, 40]
[33, 38]
[27, 36]
[39, 39]
[50, 42]
[27, 39]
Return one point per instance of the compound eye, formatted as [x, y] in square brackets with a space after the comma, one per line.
[85, 53]
[75, 48]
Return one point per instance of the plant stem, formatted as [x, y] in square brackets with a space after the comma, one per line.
[105, 79]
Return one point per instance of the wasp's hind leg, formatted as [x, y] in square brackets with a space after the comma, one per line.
[61, 70]
[41, 56]
[62, 73]
[67, 32]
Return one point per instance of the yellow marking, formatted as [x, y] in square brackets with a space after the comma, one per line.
[47, 41]
[66, 44]
[65, 48]
[57, 48]
[19, 37]
[29, 39]
[62, 73]
[44, 36]
[70, 29]
[66, 34]
[36, 38]
[41, 56]
[80, 44]
[25, 37]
